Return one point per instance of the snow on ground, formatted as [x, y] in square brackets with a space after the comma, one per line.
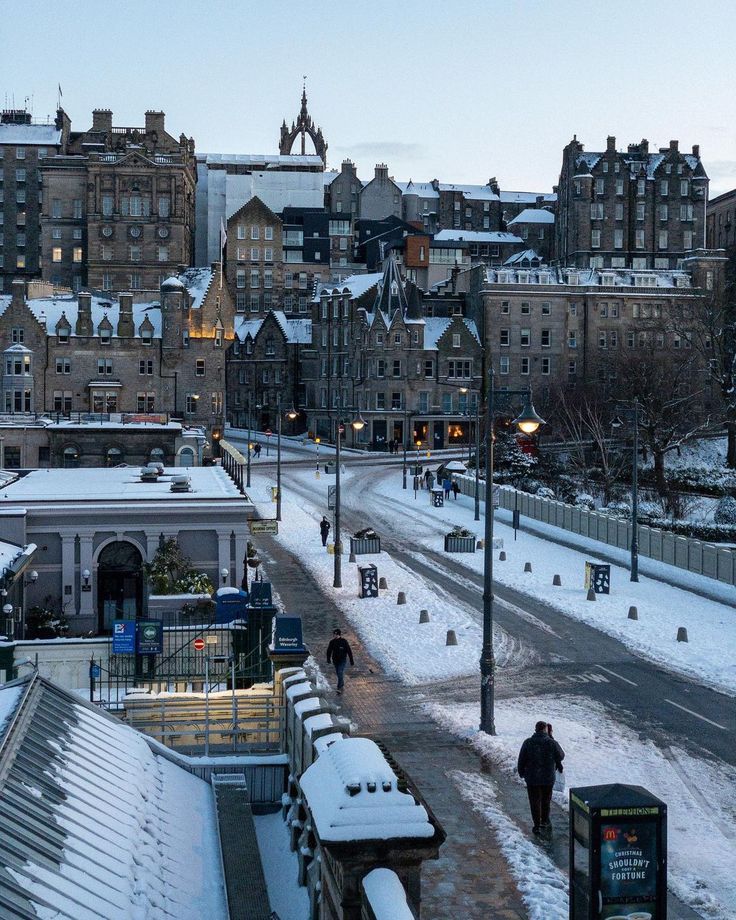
[543, 887]
[281, 868]
[699, 793]
[710, 654]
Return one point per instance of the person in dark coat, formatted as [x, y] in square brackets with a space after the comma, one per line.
[446, 487]
[338, 652]
[257, 450]
[455, 489]
[324, 529]
[540, 756]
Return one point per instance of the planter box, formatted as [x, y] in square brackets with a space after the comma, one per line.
[365, 546]
[459, 544]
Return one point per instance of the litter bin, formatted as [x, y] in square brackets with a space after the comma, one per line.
[438, 498]
[330, 468]
[598, 577]
[368, 575]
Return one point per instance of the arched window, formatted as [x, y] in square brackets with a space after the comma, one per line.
[71, 457]
[157, 455]
[113, 456]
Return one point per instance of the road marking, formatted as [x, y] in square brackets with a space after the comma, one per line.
[614, 674]
[587, 678]
[696, 714]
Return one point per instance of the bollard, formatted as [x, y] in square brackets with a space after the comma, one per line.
[591, 594]
[351, 558]
[401, 598]
[424, 616]
[556, 581]
[502, 556]
[382, 584]
[480, 544]
[527, 566]
[633, 613]
[451, 637]
[681, 634]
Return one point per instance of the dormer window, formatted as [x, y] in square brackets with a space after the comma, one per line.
[105, 336]
[218, 337]
[146, 336]
[62, 334]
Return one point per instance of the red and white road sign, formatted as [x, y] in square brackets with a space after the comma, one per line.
[268, 432]
[198, 644]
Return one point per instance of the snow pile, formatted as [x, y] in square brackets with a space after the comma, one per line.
[288, 899]
[386, 895]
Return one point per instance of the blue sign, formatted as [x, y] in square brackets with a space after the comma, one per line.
[231, 605]
[260, 594]
[94, 671]
[287, 634]
[150, 637]
[123, 637]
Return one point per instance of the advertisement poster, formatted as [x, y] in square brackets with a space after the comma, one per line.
[123, 637]
[629, 870]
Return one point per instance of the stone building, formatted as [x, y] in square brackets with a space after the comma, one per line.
[255, 258]
[635, 209]
[381, 197]
[721, 221]
[342, 195]
[118, 206]
[536, 227]
[420, 204]
[91, 354]
[469, 207]
[24, 146]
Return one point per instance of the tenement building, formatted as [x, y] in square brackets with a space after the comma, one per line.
[24, 146]
[635, 209]
[118, 206]
[721, 221]
[92, 354]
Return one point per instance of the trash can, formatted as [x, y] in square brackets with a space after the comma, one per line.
[438, 498]
[598, 577]
[330, 468]
[368, 575]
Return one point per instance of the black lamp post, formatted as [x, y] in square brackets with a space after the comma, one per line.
[358, 424]
[632, 412]
[528, 422]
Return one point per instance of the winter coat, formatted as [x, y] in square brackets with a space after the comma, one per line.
[540, 756]
[338, 650]
[324, 528]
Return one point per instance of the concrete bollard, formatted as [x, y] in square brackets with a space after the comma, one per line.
[633, 613]
[424, 616]
[451, 637]
[382, 585]
[681, 634]
[502, 556]
[557, 581]
[401, 598]
[527, 566]
[591, 595]
[351, 557]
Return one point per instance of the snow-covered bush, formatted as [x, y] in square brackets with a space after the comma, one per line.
[545, 492]
[584, 500]
[620, 509]
[725, 512]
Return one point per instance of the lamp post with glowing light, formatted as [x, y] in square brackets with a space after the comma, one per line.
[358, 424]
[476, 490]
[418, 445]
[527, 422]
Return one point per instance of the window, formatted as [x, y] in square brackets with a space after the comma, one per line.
[546, 338]
[429, 368]
[163, 253]
[396, 400]
[525, 308]
[105, 336]
[504, 336]
[77, 208]
[572, 338]
[545, 365]
[268, 233]
[687, 239]
[199, 368]
[456, 340]
[663, 239]
[572, 368]
[684, 188]
[618, 239]
[240, 278]
[546, 308]
[525, 337]
[524, 369]
[191, 403]
[596, 210]
[602, 339]
[504, 306]
[255, 232]
[145, 367]
[664, 187]
[20, 175]
[380, 368]
[56, 207]
[686, 212]
[135, 253]
[255, 303]
[397, 368]
[600, 186]
[216, 403]
[595, 239]
[618, 211]
[63, 366]
[447, 403]
[107, 201]
[255, 278]
[77, 254]
[20, 153]
[639, 239]
[56, 254]
[164, 205]
[268, 278]
[135, 281]
[503, 365]
[106, 281]
[459, 370]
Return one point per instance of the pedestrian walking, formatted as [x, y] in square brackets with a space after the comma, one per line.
[455, 489]
[324, 529]
[430, 480]
[559, 781]
[427, 474]
[257, 451]
[338, 652]
[446, 487]
[396, 445]
[540, 758]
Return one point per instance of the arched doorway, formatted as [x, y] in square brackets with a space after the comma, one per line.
[186, 456]
[119, 584]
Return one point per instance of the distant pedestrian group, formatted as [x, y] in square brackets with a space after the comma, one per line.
[540, 758]
[393, 446]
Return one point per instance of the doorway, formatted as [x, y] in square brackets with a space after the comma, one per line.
[119, 584]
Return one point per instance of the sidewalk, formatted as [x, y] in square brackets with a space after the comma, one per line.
[471, 878]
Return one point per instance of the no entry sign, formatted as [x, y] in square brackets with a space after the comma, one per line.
[198, 644]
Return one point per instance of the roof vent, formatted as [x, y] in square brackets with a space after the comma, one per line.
[181, 482]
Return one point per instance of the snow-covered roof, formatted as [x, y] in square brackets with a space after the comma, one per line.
[116, 484]
[545, 275]
[197, 282]
[352, 795]
[248, 327]
[476, 236]
[634, 160]
[436, 326]
[526, 197]
[30, 135]
[296, 331]
[526, 255]
[94, 824]
[533, 216]
[260, 159]
[50, 310]
[9, 552]
[422, 189]
[476, 192]
[356, 285]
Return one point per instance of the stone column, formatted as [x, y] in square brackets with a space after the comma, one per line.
[223, 557]
[68, 575]
[86, 602]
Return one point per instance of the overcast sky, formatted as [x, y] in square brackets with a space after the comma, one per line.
[459, 90]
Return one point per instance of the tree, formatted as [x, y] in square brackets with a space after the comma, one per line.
[171, 572]
[508, 457]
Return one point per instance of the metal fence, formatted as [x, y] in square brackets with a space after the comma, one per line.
[708, 559]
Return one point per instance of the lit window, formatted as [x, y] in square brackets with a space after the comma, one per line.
[77, 254]
[56, 254]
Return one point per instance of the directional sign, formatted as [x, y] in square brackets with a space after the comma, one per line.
[123, 637]
[269, 525]
[94, 671]
[331, 491]
[198, 644]
[150, 637]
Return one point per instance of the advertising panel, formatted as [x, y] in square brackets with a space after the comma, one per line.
[629, 870]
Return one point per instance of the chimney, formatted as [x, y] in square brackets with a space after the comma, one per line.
[644, 147]
[610, 144]
[382, 171]
[155, 123]
[19, 292]
[126, 329]
[102, 120]
[348, 167]
[84, 314]
[696, 150]
[493, 185]
[674, 145]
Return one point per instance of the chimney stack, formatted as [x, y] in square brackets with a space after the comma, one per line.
[155, 123]
[19, 292]
[674, 145]
[696, 150]
[84, 314]
[610, 144]
[102, 120]
[382, 171]
[126, 329]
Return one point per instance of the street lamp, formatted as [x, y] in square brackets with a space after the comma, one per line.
[476, 490]
[417, 444]
[632, 412]
[278, 457]
[528, 422]
[317, 442]
[224, 573]
[405, 434]
[358, 424]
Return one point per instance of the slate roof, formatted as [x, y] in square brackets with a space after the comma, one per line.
[533, 216]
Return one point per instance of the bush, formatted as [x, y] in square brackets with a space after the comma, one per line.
[170, 572]
[725, 512]
[545, 492]
[44, 622]
[584, 500]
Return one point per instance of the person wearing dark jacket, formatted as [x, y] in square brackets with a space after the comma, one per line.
[540, 756]
[324, 529]
[338, 652]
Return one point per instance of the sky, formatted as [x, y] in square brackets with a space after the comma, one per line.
[459, 90]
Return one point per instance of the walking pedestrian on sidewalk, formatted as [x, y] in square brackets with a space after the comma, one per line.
[338, 652]
[539, 758]
[427, 474]
[446, 487]
[324, 529]
[257, 451]
[455, 489]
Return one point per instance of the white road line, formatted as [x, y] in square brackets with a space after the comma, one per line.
[696, 714]
[614, 674]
